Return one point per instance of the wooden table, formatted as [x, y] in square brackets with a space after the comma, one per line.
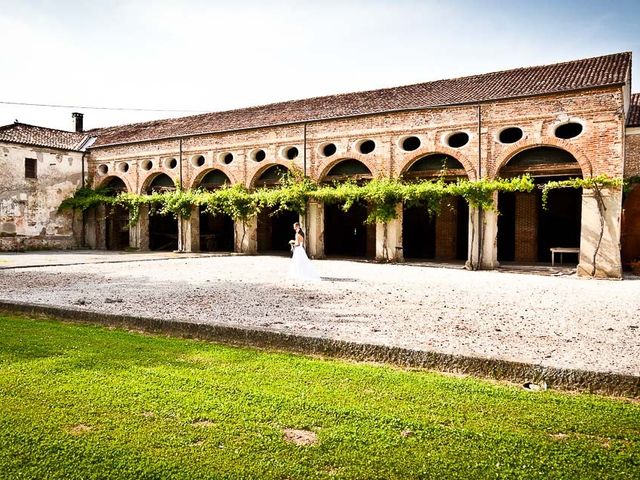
[561, 250]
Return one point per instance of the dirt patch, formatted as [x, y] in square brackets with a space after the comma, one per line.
[203, 423]
[148, 414]
[79, 429]
[300, 437]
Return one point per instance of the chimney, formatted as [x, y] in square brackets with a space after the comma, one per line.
[77, 120]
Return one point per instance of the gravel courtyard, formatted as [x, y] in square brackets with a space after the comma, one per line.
[560, 321]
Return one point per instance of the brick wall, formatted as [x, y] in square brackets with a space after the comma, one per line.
[632, 153]
[598, 148]
[526, 248]
[446, 231]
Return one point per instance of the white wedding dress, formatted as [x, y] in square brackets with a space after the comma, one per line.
[301, 267]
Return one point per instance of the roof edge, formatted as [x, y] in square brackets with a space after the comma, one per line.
[380, 112]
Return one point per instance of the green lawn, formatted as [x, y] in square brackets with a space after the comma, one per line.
[84, 402]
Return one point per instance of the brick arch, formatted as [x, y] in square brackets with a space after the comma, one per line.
[263, 168]
[149, 178]
[198, 178]
[103, 182]
[466, 163]
[508, 154]
[328, 166]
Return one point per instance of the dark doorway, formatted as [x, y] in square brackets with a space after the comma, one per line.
[506, 227]
[117, 228]
[163, 232]
[559, 223]
[347, 234]
[163, 229]
[117, 218]
[421, 233]
[216, 232]
[418, 233]
[631, 227]
[275, 229]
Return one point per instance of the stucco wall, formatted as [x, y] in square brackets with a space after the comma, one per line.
[28, 207]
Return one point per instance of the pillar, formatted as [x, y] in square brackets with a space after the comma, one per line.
[314, 228]
[483, 238]
[189, 233]
[526, 250]
[389, 239]
[603, 230]
[246, 235]
[139, 233]
[101, 227]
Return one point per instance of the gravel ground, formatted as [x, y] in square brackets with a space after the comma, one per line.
[560, 321]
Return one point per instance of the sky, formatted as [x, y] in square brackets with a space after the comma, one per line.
[201, 56]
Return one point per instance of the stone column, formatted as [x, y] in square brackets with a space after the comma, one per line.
[90, 228]
[246, 236]
[189, 233]
[483, 239]
[526, 250]
[389, 239]
[602, 230]
[315, 229]
[101, 227]
[139, 233]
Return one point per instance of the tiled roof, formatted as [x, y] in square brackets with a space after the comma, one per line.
[633, 119]
[40, 136]
[561, 77]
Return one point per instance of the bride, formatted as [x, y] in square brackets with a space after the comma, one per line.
[301, 267]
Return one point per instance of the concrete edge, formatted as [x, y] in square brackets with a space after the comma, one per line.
[517, 372]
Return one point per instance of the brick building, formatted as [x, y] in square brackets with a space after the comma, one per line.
[556, 121]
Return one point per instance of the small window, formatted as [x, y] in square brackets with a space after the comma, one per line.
[510, 135]
[198, 161]
[147, 165]
[410, 144]
[458, 140]
[367, 146]
[292, 153]
[259, 155]
[569, 130]
[30, 168]
[171, 163]
[227, 159]
[329, 149]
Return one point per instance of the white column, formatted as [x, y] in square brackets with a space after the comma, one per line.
[483, 238]
[389, 239]
[246, 236]
[315, 229]
[603, 230]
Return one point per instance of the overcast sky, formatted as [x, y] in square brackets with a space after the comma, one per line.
[214, 55]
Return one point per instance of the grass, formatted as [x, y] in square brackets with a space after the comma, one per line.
[85, 402]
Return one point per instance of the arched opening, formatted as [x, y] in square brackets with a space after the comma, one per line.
[117, 217]
[442, 237]
[526, 230]
[347, 233]
[631, 227]
[216, 231]
[275, 227]
[163, 229]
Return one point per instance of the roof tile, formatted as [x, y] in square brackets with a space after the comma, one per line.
[40, 136]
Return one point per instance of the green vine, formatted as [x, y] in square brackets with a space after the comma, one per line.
[590, 183]
[382, 195]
